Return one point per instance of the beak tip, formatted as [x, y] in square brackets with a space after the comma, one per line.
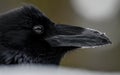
[109, 42]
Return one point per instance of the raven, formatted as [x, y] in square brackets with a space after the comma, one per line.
[27, 36]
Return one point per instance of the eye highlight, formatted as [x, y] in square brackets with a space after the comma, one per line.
[38, 29]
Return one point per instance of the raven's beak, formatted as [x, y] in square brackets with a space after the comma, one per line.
[72, 36]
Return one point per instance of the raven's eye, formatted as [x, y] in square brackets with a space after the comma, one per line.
[38, 29]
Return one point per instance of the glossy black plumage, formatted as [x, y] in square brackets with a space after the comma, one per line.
[27, 36]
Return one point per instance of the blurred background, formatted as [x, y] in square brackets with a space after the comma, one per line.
[102, 15]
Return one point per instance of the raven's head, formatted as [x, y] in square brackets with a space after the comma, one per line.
[29, 30]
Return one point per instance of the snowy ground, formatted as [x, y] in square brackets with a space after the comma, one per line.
[42, 70]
